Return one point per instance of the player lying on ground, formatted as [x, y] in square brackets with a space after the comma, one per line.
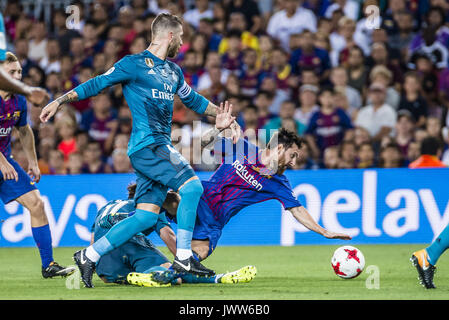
[150, 83]
[248, 175]
[426, 259]
[138, 261]
[15, 183]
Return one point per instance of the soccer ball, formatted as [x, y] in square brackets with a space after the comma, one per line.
[348, 262]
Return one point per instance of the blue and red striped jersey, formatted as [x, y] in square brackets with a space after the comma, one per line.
[13, 113]
[241, 180]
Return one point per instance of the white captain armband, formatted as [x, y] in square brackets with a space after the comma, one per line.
[184, 91]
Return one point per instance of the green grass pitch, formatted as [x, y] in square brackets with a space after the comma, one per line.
[286, 273]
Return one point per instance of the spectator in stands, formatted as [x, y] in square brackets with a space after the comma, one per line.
[378, 118]
[414, 151]
[412, 100]
[433, 127]
[402, 38]
[282, 70]
[429, 82]
[293, 18]
[92, 43]
[382, 74]
[92, 157]
[327, 126]
[431, 150]
[361, 135]
[263, 101]
[250, 11]
[250, 75]
[350, 8]
[269, 84]
[390, 156]
[381, 56]
[100, 121]
[38, 44]
[233, 56]
[51, 61]
[331, 157]
[206, 27]
[250, 118]
[75, 163]
[365, 156]
[342, 41]
[431, 47]
[358, 72]
[66, 129]
[120, 161]
[348, 155]
[404, 129]
[305, 161]
[310, 57]
[56, 162]
[200, 11]
[339, 80]
[286, 112]
[435, 19]
[308, 103]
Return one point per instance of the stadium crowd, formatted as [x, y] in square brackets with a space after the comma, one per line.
[361, 96]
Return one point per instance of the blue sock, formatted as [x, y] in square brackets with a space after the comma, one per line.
[125, 230]
[42, 237]
[190, 278]
[438, 246]
[186, 215]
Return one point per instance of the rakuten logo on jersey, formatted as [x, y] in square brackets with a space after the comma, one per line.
[243, 173]
[5, 131]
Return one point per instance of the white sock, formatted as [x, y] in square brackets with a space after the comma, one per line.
[92, 254]
[183, 254]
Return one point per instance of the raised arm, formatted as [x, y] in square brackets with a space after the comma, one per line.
[223, 120]
[50, 109]
[36, 96]
[302, 216]
[121, 72]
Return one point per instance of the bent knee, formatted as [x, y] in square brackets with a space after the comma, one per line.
[193, 187]
[35, 205]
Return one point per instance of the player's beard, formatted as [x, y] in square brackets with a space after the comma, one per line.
[173, 49]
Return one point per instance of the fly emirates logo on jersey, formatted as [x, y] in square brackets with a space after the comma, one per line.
[243, 173]
[164, 95]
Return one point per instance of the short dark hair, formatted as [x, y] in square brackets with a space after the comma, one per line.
[287, 138]
[131, 190]
[164, 21]
[234, 33]
[430, 146]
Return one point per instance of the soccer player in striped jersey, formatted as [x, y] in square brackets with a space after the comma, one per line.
[150, 83]
[138, 261]
[248, 175]
[15, 183]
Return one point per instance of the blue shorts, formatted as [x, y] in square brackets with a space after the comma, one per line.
[129, 257]
[159, 168]
[10, 189]
[206, 227]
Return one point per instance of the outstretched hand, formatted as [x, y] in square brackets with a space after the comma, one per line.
[224, 117]
[334, 235]
[49, 111]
